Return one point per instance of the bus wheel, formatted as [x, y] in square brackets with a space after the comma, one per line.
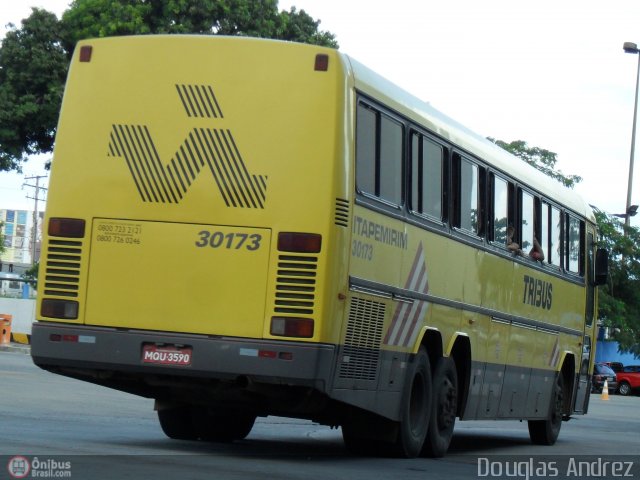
[545, 432]
[177, 423]
[223, 425]
[365, 433]
[416, 407]
[443, 412]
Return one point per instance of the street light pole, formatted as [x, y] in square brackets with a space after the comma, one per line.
[630, 47]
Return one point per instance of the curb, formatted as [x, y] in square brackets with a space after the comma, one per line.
[20, 342]
[15, 347]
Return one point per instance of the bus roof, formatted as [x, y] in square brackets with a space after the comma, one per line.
[369, 82]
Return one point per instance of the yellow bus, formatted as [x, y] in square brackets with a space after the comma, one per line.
[240, 228]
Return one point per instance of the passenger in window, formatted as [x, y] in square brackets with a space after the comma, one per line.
[511, 245]
[536, 253]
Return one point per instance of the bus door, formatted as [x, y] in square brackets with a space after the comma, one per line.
[584, 378]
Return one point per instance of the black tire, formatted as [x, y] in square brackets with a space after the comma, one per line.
[369, 434]
[223, 425]
[177, 423]
[545, 432]
[444, 409]
[416, 407]
[624, 388]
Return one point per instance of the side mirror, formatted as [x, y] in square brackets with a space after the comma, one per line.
[602, 267]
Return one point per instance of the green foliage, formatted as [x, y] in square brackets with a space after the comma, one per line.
[619, 300]
[34, 58]
[31, 275]
[33, 67]
[543, 160]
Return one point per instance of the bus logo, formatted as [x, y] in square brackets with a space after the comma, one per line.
[204, 148]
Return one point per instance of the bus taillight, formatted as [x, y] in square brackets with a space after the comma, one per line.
[299, 242]
[292, 327]
[66, 227]
[52, 308]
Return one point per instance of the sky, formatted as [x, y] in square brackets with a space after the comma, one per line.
[552, 73]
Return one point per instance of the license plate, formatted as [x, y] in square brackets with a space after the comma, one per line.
[166, 355]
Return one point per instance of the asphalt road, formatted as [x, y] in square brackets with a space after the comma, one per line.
[72, 429]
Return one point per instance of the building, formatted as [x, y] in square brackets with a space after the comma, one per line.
[22, 244]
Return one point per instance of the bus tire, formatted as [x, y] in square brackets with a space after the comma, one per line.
[444, 409]
[223, 425]
[177, 423]
[365, 433]
[545, 432]
[416, 407]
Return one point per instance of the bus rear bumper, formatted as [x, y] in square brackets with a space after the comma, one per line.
[79, 350]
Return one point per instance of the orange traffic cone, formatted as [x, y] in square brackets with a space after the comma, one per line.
[605, 391]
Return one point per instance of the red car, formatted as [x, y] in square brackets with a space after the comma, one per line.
[628, 379]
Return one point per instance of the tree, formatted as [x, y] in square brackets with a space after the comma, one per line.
[543, 160]
[31, 275]
[34, 59]
[33, 67]
[619, 300]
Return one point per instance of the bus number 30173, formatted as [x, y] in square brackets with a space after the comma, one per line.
[231, 240]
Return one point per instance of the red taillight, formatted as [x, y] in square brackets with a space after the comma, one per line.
[59, 309]
[299, 242]
[292, 327]
[85, 53]
[66, 227]
[322, 62]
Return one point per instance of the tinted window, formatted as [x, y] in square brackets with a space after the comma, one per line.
[527, 222]
[468, 196]
[426, 176]
[366, 150]
[555, 236]
[379, 154]
[573, 244]
[604, 370]
[500, 210]
[390, 160]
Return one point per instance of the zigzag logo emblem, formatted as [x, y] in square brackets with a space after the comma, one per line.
[212, 148]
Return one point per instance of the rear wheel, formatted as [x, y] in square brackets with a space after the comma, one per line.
[545, 432]
[369, 434]
[177, 423]
[444, 409]
[624, 388]
[223, 425]
[188, 422]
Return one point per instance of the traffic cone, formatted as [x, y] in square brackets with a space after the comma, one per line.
[605, 391]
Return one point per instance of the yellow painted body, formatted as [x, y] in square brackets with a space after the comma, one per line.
[172, 246]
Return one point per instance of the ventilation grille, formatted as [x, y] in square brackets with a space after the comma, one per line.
[62, 268]
[296, 284]
[342, 213]
[362, 340]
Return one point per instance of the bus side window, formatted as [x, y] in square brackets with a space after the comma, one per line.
[366, 149]
[426, 177]
[575, 242]
[467, 195]
[379, 154]
[527, 221]
[555, 237]
[500, 210]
